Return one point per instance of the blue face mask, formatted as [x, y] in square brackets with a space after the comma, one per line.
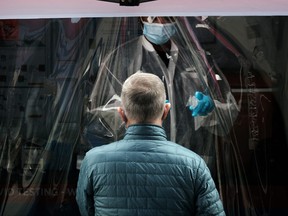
[158, 33]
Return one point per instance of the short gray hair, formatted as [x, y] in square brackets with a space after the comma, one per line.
[143, 97]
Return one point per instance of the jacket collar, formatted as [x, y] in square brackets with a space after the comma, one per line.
[145, 131]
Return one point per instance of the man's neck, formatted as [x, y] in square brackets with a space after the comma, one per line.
[163, 48]
[154, 122]
[163, 51]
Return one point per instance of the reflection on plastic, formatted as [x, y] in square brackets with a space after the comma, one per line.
[59, 91]
[192, 101]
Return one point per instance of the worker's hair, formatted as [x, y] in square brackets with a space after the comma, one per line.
[143, 97]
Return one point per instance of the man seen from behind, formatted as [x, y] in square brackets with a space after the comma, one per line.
[144, 173]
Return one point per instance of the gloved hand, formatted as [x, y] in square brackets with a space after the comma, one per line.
[205, 105]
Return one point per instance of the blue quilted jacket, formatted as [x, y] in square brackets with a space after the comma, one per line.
[144, 174]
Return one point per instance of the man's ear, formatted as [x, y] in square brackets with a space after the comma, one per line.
[167, 107]
[122, 114]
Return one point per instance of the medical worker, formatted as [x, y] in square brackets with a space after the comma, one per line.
[202, 105]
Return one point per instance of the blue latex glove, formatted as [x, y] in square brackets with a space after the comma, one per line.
[205, 105]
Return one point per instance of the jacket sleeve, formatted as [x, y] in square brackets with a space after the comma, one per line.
[84, 193]
[207, 197]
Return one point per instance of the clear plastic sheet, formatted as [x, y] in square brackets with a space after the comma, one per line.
[60, 84]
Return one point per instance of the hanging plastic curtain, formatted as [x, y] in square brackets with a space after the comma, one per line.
[60, 85]
[43, 91]
[185, 68]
